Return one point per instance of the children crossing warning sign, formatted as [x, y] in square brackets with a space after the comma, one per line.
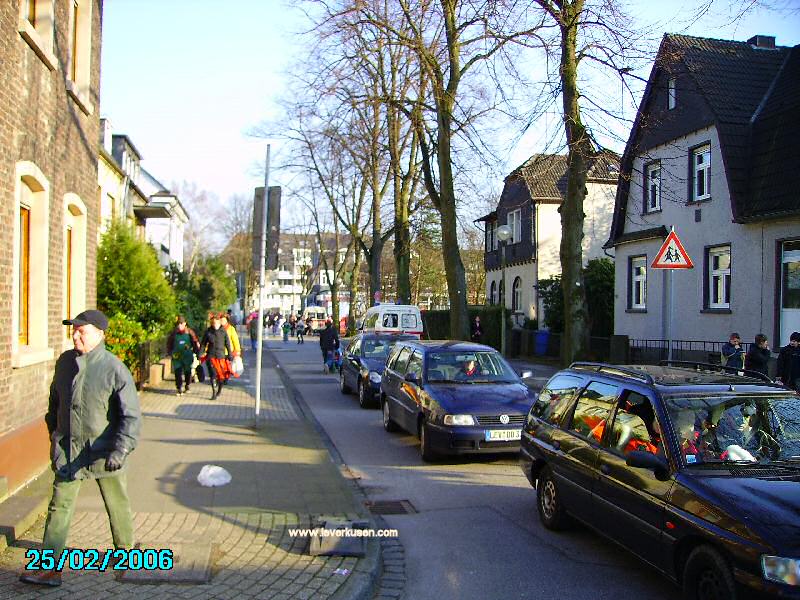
[672, 255]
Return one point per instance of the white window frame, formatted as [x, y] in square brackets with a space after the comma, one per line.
[495, 241]
[514, 222]
[36, 199]
[74, 219]
[638, 282]
[490, 235]
[719, 279]
[671, 93]
[80, 53]
[492, 292]
[701, 163]
[39, 34]
[516, 295]
[653, 189]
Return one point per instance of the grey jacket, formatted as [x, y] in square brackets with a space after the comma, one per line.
[93, 410]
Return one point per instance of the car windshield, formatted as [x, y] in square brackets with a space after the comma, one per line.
[469, 367]
[373, 348]
[736, 428]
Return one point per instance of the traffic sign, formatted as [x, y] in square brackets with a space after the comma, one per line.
[672, 255]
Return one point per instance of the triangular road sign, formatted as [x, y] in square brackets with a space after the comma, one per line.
[672, 255]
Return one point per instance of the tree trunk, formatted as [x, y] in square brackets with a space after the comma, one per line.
[375, 283]
[351, 313]
[575, 341]
[402, 254]
[334, 286]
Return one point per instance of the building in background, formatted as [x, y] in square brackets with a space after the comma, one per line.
[532, 195]
[49, 212]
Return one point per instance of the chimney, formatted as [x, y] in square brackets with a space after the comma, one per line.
[762, 41]
[105, 134]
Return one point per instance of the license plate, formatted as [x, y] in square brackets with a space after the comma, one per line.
[503, 435]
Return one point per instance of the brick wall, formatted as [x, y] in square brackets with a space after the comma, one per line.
[41, 123]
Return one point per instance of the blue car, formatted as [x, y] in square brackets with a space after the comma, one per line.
[458, 397]
[362, 365]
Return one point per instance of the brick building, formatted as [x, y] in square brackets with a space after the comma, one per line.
[49, 127]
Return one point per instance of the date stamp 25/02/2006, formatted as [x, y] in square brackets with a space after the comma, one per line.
[100, 560]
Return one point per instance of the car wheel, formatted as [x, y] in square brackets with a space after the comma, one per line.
[548, 500]
[425, 445]
[343, 387]
[364, 401]
[707, 576]
[388, 424]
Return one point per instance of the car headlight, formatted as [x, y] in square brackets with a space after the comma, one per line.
[374, 377]
[459, 420]
[782, 570]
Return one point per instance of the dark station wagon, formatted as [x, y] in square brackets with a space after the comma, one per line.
[694, 469]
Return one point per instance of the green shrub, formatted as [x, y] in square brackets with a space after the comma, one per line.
[123, 337]
[532, 324]
[131, 282]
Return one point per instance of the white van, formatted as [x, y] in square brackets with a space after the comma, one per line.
[393, 318]
[318, 316]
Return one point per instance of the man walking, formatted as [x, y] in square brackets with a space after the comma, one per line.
[328, 342]
[94, 422]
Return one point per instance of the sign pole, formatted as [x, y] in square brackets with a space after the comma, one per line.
[261, 285]
[669, 314]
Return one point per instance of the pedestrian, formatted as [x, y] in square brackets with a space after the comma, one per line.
[276, 325]
[236, 346]
[287, 327]
[309, 325]
[757, 358]
[476, 331]
[94, 420]
[300, 330]
[328, 343]
[216, 348]
[732, 352]
[268, 323]
[252, 330]
[231, 319]
[182, 346]
[789, 363]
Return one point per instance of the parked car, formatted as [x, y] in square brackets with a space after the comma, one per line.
[694, 469]
[458, 397]
[393, 318]
[362, 365]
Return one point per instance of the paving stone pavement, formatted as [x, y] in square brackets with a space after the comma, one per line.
[283, 478]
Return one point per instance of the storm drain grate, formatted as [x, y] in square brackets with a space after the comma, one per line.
[391, 507]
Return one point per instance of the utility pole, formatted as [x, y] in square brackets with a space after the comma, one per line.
[261, 285]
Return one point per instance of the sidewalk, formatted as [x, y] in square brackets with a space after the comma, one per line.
[542, 371]
[230, 541]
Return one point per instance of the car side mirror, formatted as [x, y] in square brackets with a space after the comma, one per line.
[647, 460]
[411, 378]
[525, 374]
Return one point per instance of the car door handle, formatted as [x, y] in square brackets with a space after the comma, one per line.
[605, 469]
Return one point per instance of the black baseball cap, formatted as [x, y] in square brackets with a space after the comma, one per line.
[89, 317]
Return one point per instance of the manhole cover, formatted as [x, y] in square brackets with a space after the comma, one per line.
[391, 507]
[192, 564]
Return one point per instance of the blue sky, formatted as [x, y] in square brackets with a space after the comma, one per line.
[187, 79]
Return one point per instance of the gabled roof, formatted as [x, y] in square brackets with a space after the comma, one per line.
[546, 174]
[751, 94]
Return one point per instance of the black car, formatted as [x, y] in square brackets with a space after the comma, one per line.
[363, 362]
[694, 470]
[458, 397]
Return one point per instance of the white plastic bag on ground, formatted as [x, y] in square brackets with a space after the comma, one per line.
[213, 476]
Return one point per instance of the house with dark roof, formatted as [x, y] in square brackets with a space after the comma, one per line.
[715, 153]
[532, 194]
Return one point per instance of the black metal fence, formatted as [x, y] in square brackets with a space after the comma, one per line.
[644, 352]
[148, 353]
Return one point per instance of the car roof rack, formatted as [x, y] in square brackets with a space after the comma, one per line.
[712, 367]
[614, 370]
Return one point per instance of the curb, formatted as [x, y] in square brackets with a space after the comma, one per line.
[362, 583]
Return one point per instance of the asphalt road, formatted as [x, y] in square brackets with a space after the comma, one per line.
[475, 532]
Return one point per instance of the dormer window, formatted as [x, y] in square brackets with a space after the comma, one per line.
[671, 93]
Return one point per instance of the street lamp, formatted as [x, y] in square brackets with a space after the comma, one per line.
[503, 235]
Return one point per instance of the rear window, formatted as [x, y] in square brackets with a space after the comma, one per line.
[556, 398]
[389, 320]
[408, 320]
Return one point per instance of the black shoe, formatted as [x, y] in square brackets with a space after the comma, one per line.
[186, 390]
[48, 578]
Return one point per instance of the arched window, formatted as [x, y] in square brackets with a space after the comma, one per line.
[74, 258]
[502, 294]
[29, 316]
[492, 293]
[516, 295]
